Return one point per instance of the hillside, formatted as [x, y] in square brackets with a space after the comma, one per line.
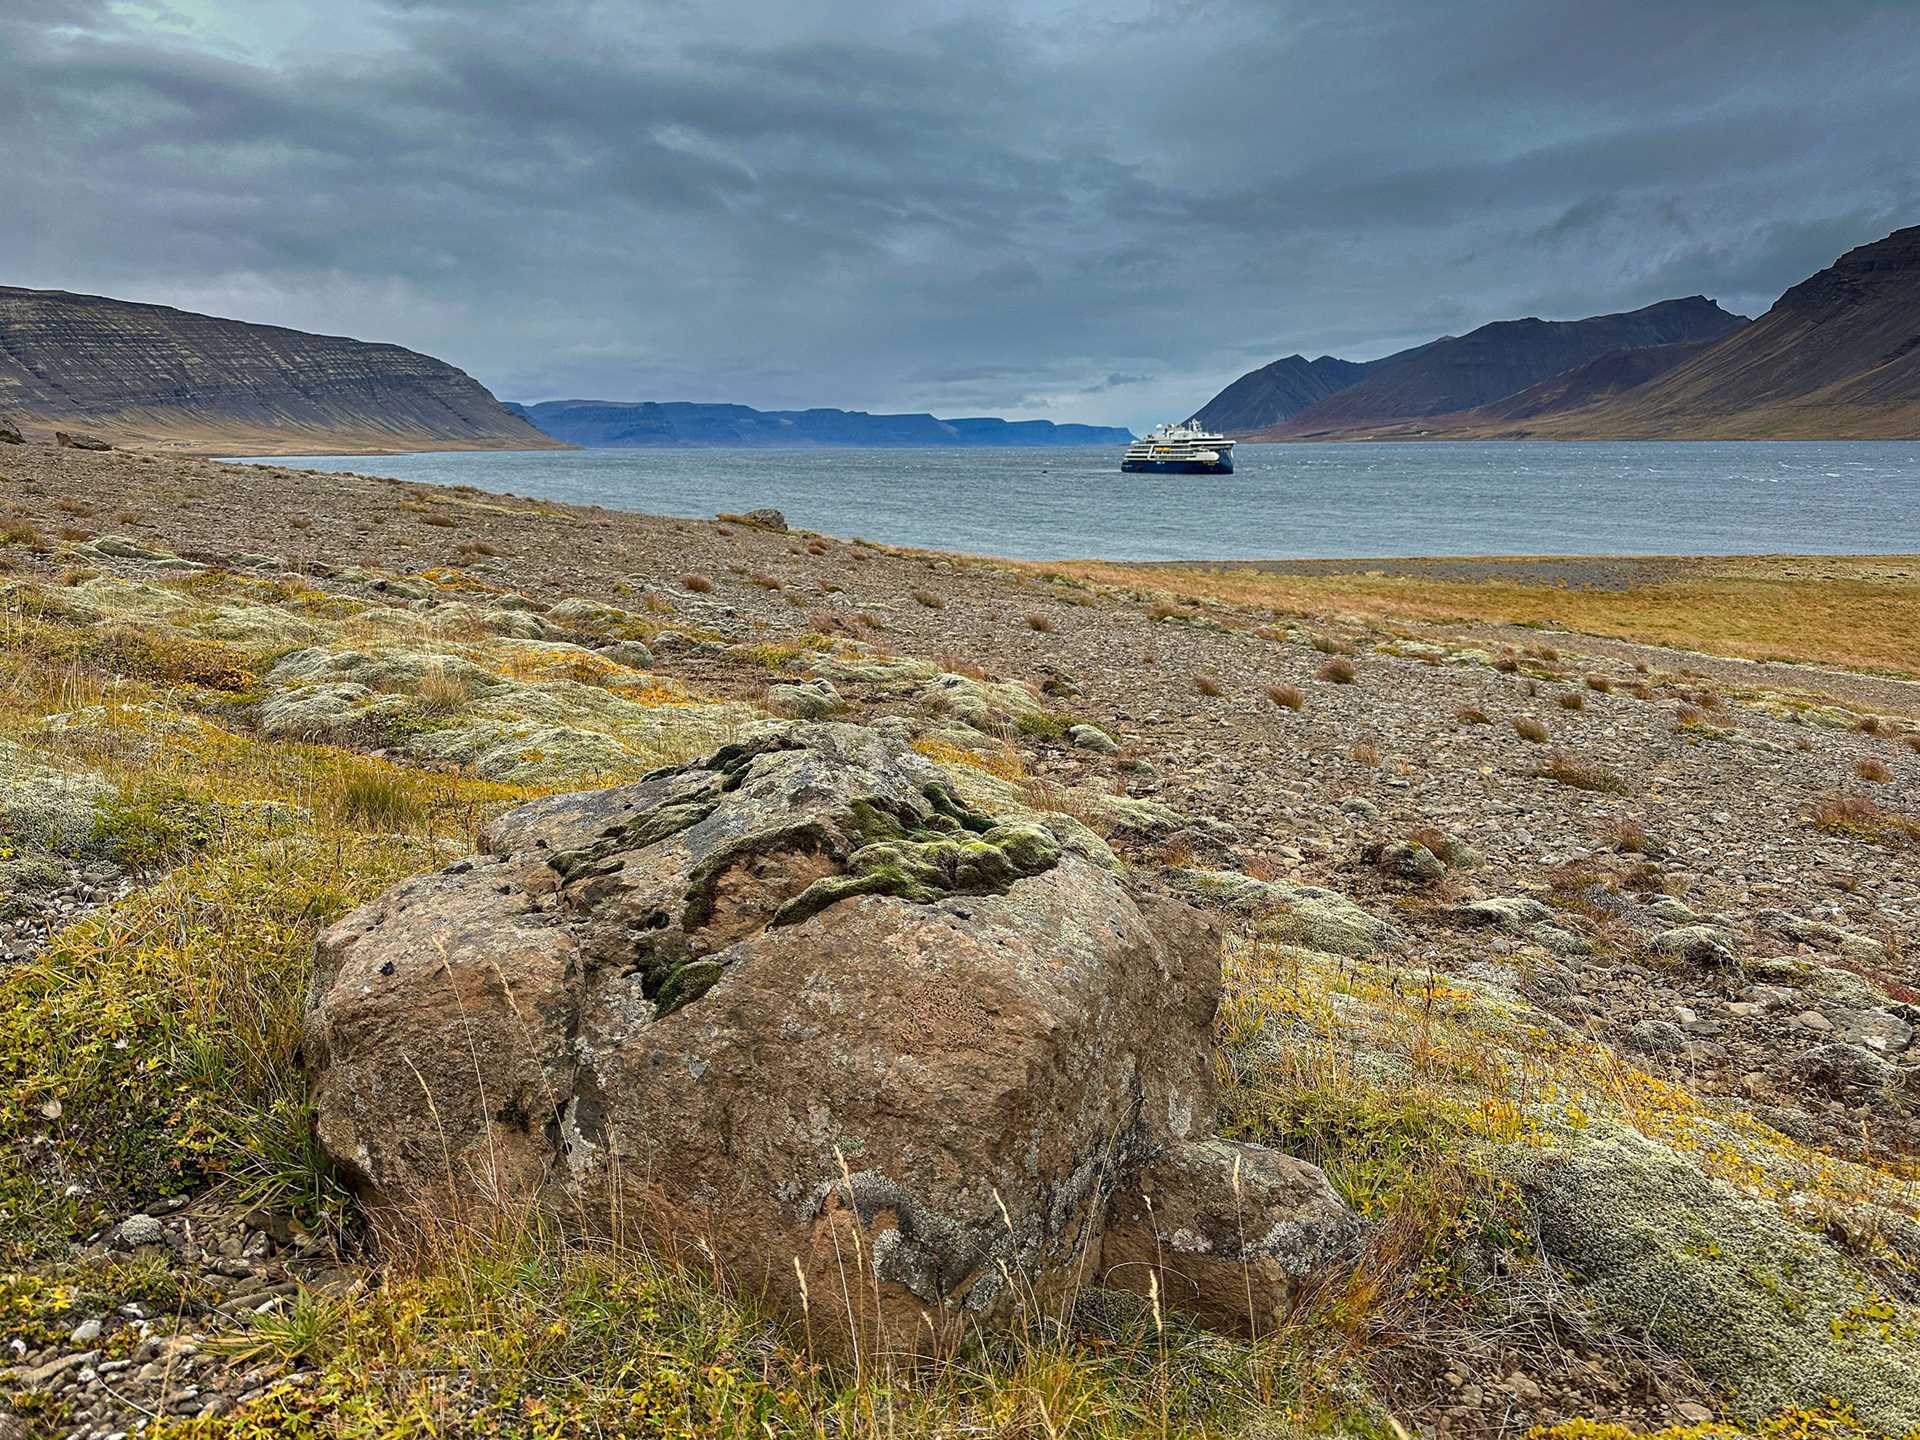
[1277, 392]
[1612, 374]
[613, 424]
[1838, 356]
[1457, 373]
[149, 374]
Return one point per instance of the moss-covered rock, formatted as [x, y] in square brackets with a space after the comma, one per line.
[1303, 915]
[590, 618]
[1092, 737]
[329, 711]
[119, 547]
[926, 870]
[863, 670]
[813, 700]
[42, 808]
[392, 669]
[1514, 913]
[1765, 1310]
[523, 754]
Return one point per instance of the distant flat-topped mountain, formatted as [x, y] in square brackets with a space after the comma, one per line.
[610, 424]
[149, 374]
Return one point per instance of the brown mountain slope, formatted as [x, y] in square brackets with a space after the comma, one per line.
[1589, 384]
[1459, 373]
[1838, 356]
[148, 374]
[1276, 393]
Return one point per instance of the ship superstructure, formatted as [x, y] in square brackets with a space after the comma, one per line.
[1183, 449]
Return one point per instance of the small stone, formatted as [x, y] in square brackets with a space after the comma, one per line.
[630, 653]
[1657, 1037]
[1092, 737]
[86, 1332]
[138, 1230]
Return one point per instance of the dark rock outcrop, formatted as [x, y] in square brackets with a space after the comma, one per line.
[9, 434]
[148, 372]
[79, 440]
[895, 1064]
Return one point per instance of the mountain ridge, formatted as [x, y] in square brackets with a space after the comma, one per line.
[1493, 361]
[1279, 391]
[1837, 356]
[140, 373]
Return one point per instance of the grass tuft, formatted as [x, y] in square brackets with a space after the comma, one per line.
[1564, 769]
[1287, 697]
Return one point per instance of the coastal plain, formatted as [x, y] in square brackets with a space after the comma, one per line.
[1571, 905]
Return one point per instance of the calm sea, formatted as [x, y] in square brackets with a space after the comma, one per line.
[1284, 501]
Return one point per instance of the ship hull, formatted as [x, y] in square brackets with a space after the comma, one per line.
[1222, 466]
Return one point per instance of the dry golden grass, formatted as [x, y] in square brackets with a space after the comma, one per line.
[1471, 715]
[698, 584]
[1571, 700]
[1527, 728]
[1287, 697]
[442, 691]
[1338, 671]
[1859, 611]
[1040, 623]
[1627, 836]
[1208, 686]
[1565, 769]
[1858, 818]
[1873, 771]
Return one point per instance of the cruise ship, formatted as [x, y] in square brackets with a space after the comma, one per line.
[1179, 450]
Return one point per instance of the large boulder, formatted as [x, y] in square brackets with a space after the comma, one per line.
[9, 433]
[898, 1066]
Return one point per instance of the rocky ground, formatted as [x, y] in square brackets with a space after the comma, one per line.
[1658, 910]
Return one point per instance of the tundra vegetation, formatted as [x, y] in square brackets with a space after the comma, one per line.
[1634, 1154]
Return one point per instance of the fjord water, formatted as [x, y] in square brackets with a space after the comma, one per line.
[1284, 501]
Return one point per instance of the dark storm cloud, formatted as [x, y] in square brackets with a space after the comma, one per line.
[1089, 211]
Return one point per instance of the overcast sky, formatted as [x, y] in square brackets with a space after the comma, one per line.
[1041, 208]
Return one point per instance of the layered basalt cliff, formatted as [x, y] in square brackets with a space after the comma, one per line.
[147, 373]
